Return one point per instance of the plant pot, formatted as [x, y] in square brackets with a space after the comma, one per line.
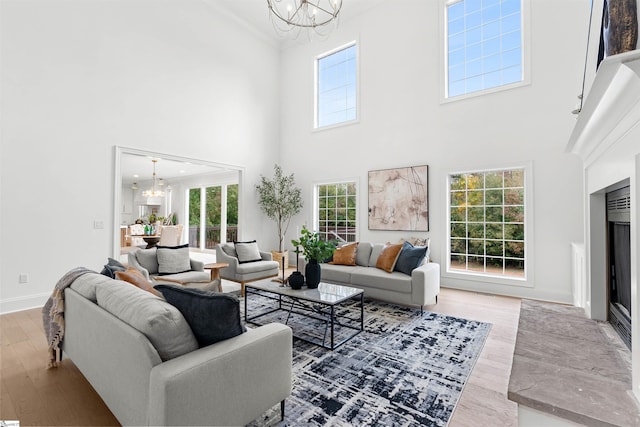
[296, 280]
[279, 257]
[312, 273]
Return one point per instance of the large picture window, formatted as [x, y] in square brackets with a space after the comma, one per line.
[336, 211]
[487, 223]
[336, 87]
[484, 45]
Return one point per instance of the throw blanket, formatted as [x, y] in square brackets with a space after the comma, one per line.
[53, 314]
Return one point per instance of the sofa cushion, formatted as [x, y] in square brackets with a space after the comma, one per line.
[187, 276]
[336, 273]
[173, 259]
[148, 259]
[410, 257]
[256, 267]
[345, 255]
[212, 316]
[387, 259]
[159, 321]
[367, 277]
[363, 253]
[133, 276]
[86, 285]
[376, 250]
[247, 252]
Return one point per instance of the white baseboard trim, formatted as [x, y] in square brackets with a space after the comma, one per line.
[11, 305]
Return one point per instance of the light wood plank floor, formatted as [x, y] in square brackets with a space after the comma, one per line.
[37, 396]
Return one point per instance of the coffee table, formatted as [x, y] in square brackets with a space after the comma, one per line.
[320, 304]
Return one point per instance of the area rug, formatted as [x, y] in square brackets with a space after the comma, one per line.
[403, 370]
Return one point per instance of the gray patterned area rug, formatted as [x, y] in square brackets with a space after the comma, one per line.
[403, 370]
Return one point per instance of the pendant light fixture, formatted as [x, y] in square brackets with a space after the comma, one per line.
[152, 192]
[316, 16]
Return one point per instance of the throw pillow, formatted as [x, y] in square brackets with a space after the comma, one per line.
[173, 259]
[387, 259]
[148, 258]
[228, 249]
[410, 257]
[111, 267]
[212, 316]
[136, 278]
[247, 251]
[345, 255]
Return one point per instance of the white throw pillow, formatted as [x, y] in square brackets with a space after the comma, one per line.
[247, 252]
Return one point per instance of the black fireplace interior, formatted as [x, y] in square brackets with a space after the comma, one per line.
[619, 235]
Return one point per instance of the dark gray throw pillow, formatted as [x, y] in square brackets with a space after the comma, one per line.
[111, 267]
[212, 316]
[410, 257]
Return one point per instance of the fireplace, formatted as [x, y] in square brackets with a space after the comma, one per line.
[619, 262]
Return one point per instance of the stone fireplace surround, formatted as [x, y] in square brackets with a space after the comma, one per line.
[607, 138]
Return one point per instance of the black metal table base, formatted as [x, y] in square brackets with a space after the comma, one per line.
[314, 310]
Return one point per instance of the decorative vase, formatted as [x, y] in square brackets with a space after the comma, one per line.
[296, 280]
[312, 273]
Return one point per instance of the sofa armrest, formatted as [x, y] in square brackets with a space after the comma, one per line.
[132, 261]
[425, 281]
[196, 265]
[231, 382]
[266, 256]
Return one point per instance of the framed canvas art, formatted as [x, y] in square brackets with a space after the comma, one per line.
[399, 199]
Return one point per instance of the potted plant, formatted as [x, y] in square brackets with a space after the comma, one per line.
[279, 199]
[314, 250]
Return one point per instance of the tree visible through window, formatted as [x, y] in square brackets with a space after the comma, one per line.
[484, 45]
[336, 210]
[487, 222]
[336, 87]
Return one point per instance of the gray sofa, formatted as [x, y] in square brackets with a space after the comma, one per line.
[418, 289]
[140, 355]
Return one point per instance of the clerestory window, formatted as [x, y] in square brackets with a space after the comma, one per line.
[484, 45]
[336, 87]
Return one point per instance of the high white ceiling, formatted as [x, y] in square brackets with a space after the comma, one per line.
[167, 169]
[256, 14]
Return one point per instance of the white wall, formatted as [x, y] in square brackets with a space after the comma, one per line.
[403, 123]
[79, 77]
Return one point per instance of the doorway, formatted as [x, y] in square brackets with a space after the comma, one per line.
[213, 215]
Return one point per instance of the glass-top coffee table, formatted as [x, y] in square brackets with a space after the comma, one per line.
[324, 304]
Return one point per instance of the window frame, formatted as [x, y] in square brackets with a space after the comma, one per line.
[316, 109]
[316, 199]
[528, 279]
[525, 59]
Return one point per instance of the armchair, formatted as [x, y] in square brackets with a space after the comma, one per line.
[146, 261]
[244, 272]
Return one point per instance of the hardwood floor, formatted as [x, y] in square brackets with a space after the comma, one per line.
[35, 395]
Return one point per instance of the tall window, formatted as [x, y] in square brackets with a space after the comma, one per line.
[336, 211]
[487, 223]
[336, 87]
[213, 215]
[484, 45]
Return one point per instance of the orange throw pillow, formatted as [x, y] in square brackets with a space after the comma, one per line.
[388, 257]
[345, 255]
[136, 278]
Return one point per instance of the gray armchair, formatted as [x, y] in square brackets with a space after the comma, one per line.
[247, 272]
[146, 261]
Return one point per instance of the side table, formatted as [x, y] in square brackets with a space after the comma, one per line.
[215, 269]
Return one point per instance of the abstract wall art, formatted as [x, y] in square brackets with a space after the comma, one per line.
[398, 199]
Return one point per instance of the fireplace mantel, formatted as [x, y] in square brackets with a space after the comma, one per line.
[611, 108]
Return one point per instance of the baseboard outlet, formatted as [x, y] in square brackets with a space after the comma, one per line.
[11, 305]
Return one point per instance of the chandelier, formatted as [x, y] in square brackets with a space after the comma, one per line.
[313, 15]
[153, 192]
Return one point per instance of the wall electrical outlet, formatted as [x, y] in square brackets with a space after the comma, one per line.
[98, 225]
[23, 278]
